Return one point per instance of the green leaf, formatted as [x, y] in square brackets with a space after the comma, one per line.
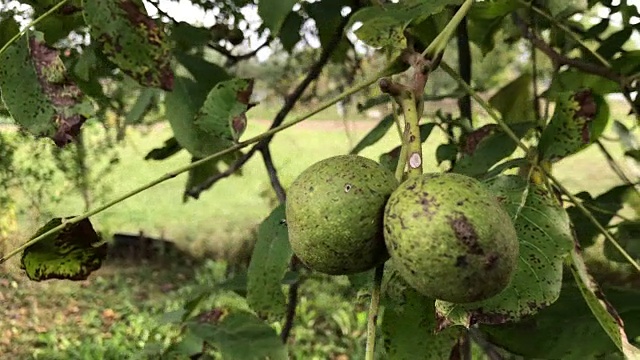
[383, 26]
[8, 28]
[290, 35]
[274, 13]
[515, 100]
[486, 146]
[446, 152]
[567, 329]
[170, 148]
[559, 8]
[603, 208]
[71, 254]
[390, 159]
[183, 103]
[38, 93]
[188, 345]
[573, 80]
[628, 140]
[409, 324]
[144, 100]
[269, 263]
[628, 63]
[373, 136]
[222, 116]
[132, 40]
[186, 36]
[601, 308]
[545, 238]
[578, 120]
[328, 20]
[241, 336]
[485, 20]
[610, 46]
[628, 236]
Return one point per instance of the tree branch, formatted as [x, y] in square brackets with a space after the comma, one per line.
[464, 66]
[559, 59]
[290, 101]
[292, 303]
[233, 59]
[273, 174]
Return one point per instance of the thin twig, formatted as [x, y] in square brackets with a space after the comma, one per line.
[292, 302]
[372, 318]
[613, 164]
[559, 59]
[273, 174]
[233, 59]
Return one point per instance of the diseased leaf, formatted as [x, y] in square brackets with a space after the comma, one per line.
[603, 208]
[274, 12]
[269, 263]
[222, 115]
[170, 148]
[485, 147]
[132, 40]
[38, 93]
[383, 26]
[409, 325]
[544, 234]
[567, 329]
[373, 136]
[183, 103]
[601, 308]
[578, 120]
[71, 254]
[515, 100]
[240, 335]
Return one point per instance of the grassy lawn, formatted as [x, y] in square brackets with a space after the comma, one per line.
[119, 307]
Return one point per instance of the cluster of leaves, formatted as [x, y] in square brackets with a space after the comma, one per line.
[53, 95]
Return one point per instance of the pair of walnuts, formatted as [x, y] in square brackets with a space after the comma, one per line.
[445, 233]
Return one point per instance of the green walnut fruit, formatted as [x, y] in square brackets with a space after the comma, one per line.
[335, 214]
[450, 238]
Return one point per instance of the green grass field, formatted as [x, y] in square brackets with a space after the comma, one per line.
[118, 307]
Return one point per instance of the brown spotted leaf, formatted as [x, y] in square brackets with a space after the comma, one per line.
[601, 308]
[578, 120]
[72, 253]
[544, 234]
[38, 93]
[222, 116]
[132, 40]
